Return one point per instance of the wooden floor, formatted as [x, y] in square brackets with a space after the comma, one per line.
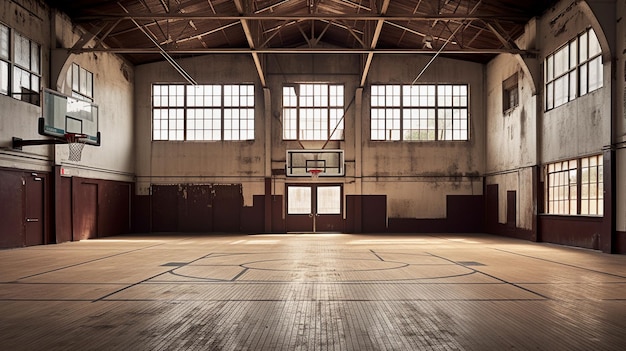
[311, 292]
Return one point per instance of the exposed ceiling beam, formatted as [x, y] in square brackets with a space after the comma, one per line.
[375, 37]
[325, 50]
[262, 17]
[249, 37]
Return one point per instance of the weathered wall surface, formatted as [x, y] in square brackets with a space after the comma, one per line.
[582, 126]
[174, 162]
[512, 138]
[416, 176]
[419, 175]
[111, 164]
[19, 118]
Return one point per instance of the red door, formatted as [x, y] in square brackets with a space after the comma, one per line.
[33, 211]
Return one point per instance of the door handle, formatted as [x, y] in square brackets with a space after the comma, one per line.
[32, 219]
[310, 215]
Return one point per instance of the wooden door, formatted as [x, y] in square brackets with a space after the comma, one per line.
[33, 211]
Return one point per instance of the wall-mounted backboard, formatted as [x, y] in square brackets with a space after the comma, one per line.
[300, 163]
[64, 114]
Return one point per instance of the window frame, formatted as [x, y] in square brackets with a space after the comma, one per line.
[82, 82]
[20, 77]
[577, 193]
[510, 93]
[180, 113]
[303, 114]
[574, 79]
[446, 105]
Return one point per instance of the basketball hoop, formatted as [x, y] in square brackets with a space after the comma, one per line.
[315, 173]
[76, 143]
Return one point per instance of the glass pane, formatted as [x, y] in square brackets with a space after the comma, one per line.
[4, 42]
[4, 78]
[594, 44]
[299, 200]
[34, 59]
[550, 68]
[22, 51]
[582, 42]
[561, 62]
[329, 200]
[572, 55]
[595, 73]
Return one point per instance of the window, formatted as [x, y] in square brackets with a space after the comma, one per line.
[82, 83]
[202, 112]
[510, 93]
[573, 70]
[591, 188]
[313, 112]
[575, 187]
[419, 112]
[20, 68]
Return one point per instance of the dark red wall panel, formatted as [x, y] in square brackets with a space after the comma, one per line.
[84, 209]
[571, 230]
[278, 221]
[164, 208]
[11, 209]
[141, 216]
[620, 242]
[114, 206]
[195, 209]
[252, 218]
[63, 208]
[374, 213]
[227, 204]
[465, 213]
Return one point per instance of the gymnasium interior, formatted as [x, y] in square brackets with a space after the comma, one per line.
[313, 174]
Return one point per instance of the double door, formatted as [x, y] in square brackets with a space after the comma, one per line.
[314, 208]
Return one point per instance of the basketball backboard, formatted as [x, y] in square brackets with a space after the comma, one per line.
[64, 114]
[329, 163]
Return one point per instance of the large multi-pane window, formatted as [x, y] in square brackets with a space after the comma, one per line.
[573, 70]
[82, 82]
[313, 112]
[20, 66]
[203, 112]
[419, 112]
[574, 187]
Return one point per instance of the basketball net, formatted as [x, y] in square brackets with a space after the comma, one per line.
[315, 173]
[75, 143]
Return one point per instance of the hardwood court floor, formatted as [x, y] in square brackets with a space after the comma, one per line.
[311, 292]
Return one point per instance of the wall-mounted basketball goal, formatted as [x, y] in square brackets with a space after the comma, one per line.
[67, 120]
[315, 163]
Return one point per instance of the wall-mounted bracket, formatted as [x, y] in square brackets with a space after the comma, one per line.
[18, 143]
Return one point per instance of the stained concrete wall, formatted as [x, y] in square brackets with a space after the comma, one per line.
[18, 118]
[419, 175]
[428, 171]
[113, 86]
[582, 126]
[512, 143]
[177, 162]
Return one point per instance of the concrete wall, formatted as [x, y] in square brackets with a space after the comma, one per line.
[416, 176]
[18, 118]
[113, 82]
[419, 175]
[107, 168]
[113, 86]
[176, 162]
[512, 142]
[582, 126]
